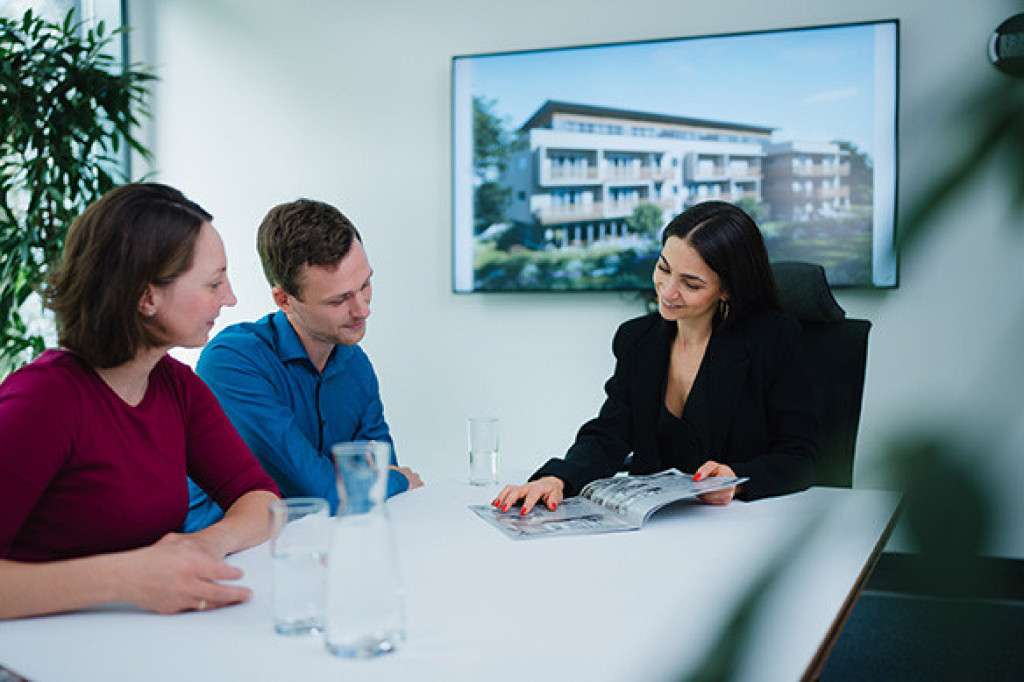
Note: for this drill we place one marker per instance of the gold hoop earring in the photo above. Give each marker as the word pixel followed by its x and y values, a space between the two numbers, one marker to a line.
pixel 723 309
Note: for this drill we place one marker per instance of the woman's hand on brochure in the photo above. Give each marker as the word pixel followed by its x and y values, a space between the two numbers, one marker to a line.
pixel 712 468
pixel 548 490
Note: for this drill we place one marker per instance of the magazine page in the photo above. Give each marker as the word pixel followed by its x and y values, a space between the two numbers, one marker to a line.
pixel 635 497
pixel 574 516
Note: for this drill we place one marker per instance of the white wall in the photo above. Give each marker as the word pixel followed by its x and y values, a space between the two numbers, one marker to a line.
pixel 347 101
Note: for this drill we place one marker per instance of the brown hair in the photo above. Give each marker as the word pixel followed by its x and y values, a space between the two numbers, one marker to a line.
pixel 302 232
pixel 134 236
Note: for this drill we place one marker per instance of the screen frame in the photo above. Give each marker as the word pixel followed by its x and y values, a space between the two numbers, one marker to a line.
pixel 884 252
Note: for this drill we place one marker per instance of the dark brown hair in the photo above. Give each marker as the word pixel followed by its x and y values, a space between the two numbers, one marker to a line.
pixel 134 236
pixel 302 232
pixel 730 243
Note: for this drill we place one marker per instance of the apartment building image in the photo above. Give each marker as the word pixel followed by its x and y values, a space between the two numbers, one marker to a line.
pixel 804 180
pixel 580 171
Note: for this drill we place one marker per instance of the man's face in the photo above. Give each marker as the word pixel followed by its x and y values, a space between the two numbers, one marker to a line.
pixel 334 303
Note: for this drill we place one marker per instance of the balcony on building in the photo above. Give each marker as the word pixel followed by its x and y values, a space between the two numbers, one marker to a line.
pixel 595 210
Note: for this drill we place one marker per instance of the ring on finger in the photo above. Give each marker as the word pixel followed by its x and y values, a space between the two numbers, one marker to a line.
pixel 202 605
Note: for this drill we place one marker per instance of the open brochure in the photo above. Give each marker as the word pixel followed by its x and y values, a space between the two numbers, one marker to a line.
pixel 605 505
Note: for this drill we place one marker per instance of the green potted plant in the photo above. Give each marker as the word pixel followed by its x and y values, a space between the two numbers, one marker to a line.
pixel 68 107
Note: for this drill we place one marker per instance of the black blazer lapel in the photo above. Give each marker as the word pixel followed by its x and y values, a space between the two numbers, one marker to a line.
pixel 650 368
pixel 727 364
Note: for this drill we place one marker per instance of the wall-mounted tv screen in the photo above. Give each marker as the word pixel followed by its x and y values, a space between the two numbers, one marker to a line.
pixel 568 162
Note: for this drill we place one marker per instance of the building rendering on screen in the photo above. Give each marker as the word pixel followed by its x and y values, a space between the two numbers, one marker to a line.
pixel 583 170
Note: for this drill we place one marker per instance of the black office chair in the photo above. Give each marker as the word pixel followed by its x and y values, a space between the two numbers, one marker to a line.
pixel 836 350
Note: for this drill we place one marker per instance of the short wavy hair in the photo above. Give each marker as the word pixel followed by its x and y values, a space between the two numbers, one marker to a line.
pixel 732 246
pixel 298 233
pixel 134 236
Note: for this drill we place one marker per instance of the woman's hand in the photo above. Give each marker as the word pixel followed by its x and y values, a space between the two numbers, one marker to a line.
pixel 180 573
pixel 548 490
pixel 712 468
pixel 246 523
pixel 177 573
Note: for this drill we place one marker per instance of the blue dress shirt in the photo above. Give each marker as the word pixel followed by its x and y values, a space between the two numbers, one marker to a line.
pixel 289 413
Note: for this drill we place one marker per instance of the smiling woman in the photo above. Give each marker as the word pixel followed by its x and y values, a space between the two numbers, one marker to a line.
pixel 99 436
pixel 127 248
pixel 710 384
pixel 183 311
pixel 687 288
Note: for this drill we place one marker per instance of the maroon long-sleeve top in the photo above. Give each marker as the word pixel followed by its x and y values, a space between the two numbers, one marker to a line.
pixel 82 472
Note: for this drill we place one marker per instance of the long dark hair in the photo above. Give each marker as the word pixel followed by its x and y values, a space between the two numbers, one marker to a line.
pixel 730 243
pixel 134 236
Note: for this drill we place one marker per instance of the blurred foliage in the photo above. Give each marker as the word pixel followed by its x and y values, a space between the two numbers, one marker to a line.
pixel 990 122
pixel 720 662
pixel 947 511
pixel 67 108
pixel 950 514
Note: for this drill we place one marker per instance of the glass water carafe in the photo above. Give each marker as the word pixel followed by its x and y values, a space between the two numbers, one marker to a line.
pixel 365 611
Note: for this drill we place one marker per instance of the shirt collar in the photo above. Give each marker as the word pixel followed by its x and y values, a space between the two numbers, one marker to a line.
pixel 290 348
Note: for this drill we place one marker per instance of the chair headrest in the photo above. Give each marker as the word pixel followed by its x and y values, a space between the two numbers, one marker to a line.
pixel 805 292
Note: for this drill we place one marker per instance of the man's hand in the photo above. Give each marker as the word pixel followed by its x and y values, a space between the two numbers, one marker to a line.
pixel 414 479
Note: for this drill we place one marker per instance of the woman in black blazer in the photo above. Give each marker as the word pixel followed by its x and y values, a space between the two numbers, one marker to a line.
pixel 712 383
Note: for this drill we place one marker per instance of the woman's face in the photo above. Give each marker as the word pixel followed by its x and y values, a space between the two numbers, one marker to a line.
pixel 687 288
pixel 185 309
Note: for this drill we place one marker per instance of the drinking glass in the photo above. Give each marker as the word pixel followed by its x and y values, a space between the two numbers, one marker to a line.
pixel 483 450
pixel 298 548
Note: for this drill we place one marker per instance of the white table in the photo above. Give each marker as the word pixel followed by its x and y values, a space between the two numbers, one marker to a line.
pixel 646 604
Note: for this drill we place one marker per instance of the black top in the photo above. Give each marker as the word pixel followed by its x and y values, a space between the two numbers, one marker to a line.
pixel 750 407
pixel 681 441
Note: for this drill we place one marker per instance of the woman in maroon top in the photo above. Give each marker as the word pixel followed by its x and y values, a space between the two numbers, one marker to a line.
pixel 97 438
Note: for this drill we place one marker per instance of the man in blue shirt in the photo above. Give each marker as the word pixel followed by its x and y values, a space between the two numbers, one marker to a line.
pixel 296 382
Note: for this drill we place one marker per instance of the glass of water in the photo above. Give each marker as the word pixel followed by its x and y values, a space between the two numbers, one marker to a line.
pixel 299 536
pixel 483 450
